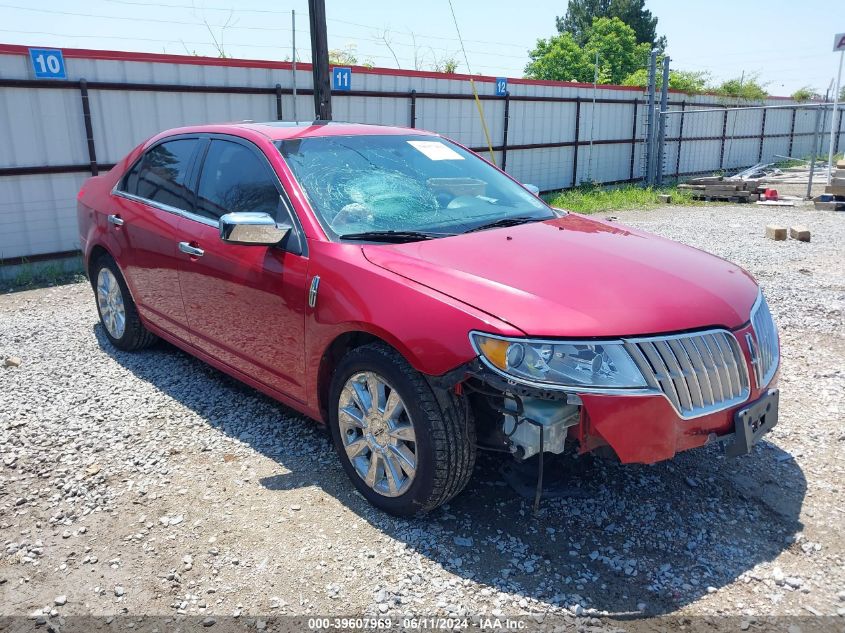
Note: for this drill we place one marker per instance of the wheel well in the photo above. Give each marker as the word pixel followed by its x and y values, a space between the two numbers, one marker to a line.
pixel 338 348
pixel 96 252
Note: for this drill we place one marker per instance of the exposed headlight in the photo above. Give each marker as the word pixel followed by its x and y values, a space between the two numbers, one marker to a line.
pixel 605 365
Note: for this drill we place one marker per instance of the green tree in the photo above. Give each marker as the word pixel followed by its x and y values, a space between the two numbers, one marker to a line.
pixel 580 15
pixel 805 93
pixel 561 58
pixel 619 53
pixel 687 81
pixel 343 56
pixel 448 65
pixel 746 88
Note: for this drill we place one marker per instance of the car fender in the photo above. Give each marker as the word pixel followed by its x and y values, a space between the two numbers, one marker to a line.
pixel 429 329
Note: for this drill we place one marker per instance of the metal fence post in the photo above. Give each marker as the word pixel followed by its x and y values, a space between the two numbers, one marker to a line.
pixel 791 132
pixel 815 152
pixel 661 135
pixel 680 141
pixel 413 108
pixel 634 139
pixel 505 130
pixel 652 81
pixel 762 137
pixel 278 102
pixel 838 136
pixel 575 147
pixel 89 129
pixel 724 135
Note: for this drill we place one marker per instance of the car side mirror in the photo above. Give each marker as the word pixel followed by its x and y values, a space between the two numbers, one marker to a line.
pixel 252 228
pixel 533 189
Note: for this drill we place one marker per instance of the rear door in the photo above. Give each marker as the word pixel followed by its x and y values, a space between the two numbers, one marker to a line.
pixel 245 303
pixel 148 204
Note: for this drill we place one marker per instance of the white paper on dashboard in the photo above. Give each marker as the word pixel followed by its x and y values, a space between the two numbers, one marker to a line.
pixel 435 150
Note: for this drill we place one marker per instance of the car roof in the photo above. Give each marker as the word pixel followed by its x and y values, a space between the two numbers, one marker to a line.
pixel 281 130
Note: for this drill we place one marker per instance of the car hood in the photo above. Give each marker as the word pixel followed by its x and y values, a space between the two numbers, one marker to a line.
pixel 578 277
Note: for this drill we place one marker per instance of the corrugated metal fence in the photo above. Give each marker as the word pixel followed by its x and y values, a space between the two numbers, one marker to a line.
pixel 54 134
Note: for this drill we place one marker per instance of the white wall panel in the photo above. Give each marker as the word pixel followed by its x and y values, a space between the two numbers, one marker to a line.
pixel 41 127
pixel 38 214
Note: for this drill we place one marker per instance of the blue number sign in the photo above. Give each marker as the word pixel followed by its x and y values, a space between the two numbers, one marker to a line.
pixel 501 86
pixel 341 78
pixel 48 63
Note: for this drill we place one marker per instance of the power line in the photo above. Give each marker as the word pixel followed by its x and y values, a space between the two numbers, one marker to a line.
pixel 209 44
pixel 283 12
pixel 242 28
pixel 139 39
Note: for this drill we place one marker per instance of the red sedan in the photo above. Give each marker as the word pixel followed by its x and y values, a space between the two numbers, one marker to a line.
pixel 422 303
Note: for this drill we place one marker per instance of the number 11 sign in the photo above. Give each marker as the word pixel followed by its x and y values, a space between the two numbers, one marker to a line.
pixel 341 78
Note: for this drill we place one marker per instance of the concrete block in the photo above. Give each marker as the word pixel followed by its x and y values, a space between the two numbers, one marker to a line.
pixel 775 232
pixel 800 233
pixel 665 198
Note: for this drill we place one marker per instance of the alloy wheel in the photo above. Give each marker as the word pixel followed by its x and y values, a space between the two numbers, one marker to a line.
pixel 110 301
pixel 378 434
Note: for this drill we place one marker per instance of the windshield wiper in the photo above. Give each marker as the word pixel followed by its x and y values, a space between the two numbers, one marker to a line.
pixel 393 236
pixel 503 222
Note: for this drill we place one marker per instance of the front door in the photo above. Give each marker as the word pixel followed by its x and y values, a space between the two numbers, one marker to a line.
pixel 245 303
pixel 144 219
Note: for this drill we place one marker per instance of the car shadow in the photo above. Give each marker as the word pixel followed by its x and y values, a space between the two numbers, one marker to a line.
pixel 627 540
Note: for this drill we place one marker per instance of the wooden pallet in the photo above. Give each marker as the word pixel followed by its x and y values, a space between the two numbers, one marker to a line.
pixel 718 188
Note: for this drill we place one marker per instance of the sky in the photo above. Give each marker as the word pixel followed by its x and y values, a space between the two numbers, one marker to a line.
pixel 787 44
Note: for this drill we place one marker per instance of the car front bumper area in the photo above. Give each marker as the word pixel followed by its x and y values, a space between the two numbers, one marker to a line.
pixel 647 428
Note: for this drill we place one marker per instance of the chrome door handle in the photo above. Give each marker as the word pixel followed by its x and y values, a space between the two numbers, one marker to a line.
pixel 116 220
pixel 185 247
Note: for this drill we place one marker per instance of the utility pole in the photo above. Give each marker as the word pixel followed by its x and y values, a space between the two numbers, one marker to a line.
pixel 293 60
pixel 835 106
pixel 320 60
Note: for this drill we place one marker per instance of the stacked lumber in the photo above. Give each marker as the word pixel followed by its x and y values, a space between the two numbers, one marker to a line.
pixel 720 188
pixel 834 193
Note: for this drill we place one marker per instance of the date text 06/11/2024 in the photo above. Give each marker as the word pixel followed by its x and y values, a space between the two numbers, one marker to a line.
pixel 417 623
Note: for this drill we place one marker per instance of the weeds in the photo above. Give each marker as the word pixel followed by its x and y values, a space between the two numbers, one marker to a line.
pixel 28 275
pixel 594 199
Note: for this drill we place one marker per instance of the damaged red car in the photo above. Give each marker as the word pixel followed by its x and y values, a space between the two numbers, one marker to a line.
pixel 422 303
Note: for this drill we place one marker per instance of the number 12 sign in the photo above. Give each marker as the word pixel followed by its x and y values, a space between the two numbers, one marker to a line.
pixel 501 86
pixel 341 78
pixel 48 63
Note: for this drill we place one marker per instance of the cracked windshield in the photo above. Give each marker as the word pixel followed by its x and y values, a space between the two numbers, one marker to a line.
pixel 404 184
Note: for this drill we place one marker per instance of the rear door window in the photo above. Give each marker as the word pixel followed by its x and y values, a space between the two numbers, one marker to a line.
pixel 162 174
pixel 234 179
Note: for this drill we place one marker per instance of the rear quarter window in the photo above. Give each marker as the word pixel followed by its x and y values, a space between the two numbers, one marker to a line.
pixel 161 175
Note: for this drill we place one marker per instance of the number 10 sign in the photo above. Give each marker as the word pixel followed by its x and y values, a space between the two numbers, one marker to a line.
pixel 48 63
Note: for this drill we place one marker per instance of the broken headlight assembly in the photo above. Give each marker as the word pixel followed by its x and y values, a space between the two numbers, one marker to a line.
pixel 577 365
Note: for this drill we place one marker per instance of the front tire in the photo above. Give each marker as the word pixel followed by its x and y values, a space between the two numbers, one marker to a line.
pixel 117 310
pixel 405 449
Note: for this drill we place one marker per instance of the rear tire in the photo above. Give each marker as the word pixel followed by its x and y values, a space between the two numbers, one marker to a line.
pixel 443 437
pixel 118 313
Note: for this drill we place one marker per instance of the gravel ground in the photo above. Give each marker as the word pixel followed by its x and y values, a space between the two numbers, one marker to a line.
pixel 150 483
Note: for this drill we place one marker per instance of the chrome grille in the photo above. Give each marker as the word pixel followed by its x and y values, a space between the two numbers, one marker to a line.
pixel 699 373
pixel 768 352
